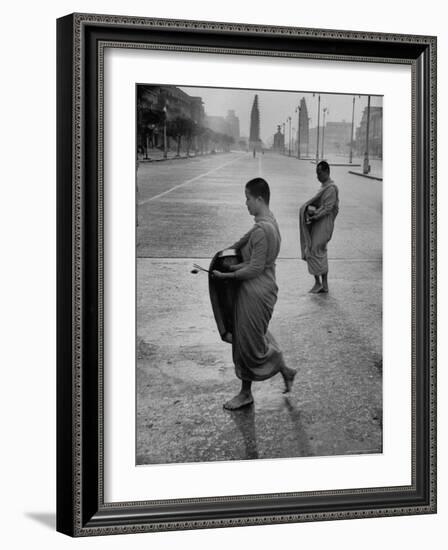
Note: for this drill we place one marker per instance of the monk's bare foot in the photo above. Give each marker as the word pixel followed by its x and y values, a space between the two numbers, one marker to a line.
pixel 240 400
pixel 288 378
pixel 324 289
pixel 316 288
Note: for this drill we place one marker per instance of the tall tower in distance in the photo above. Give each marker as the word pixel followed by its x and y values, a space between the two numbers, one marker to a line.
pixel 254 135
pixel 304 128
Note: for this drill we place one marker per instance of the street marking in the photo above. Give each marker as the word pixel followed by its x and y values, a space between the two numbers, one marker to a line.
pixel 188 181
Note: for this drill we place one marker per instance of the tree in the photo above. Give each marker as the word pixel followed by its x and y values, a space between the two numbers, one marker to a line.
pixel 191 130
pixel 227 142
pixel 179 127
pixel 207 137
pixel 147 120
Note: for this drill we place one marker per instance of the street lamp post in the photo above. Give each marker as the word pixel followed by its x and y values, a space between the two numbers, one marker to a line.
pixel 366 165
pixel 308 138
pixel 351 134
pixel 146 147
pixel 325 111
pixel 289 141
pixel 284 144
pixel 298 131
pixel 318 124
pixel 164 134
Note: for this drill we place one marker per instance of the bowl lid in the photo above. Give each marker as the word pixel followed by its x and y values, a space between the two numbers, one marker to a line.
pixel 226 253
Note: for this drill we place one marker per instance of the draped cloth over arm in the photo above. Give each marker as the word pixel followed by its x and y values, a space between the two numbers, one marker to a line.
pixel 223 292
pixel 256 354
pixel 314 236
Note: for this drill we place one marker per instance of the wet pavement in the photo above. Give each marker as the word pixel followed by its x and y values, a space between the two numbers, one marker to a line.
pixel 184 370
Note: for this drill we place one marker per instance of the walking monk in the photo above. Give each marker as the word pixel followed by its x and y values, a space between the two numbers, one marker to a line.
pixel 256 354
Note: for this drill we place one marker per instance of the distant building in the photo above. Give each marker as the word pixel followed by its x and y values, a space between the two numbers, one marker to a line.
pixel 173 99
pixel 157 105
pixel 243 143
pixel 334 139
pixel 233 124
pixel 312 136
pixel 375 133
pixel 304 130
pixel 279 141
pixel 218 124
pixel 254 136
pixel 337 137
pixel 228 125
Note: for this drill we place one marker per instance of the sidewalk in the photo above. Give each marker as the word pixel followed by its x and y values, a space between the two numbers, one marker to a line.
pixel 156 155
pixel 376 165
pixel 376 168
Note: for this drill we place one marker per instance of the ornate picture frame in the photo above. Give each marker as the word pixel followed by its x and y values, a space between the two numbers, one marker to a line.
pixel 81 506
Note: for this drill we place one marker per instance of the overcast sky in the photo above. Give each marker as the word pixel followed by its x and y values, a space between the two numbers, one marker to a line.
pixel 276 107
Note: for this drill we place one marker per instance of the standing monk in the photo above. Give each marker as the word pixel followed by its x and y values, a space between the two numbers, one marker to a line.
pixel 256 354
pixel 316 227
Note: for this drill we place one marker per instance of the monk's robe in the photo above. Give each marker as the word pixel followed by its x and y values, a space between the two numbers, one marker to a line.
pixel 314 236
pixel 256 354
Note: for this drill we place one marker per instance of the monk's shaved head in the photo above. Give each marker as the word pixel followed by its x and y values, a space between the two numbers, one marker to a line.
pixel 324 166
pixel 258 187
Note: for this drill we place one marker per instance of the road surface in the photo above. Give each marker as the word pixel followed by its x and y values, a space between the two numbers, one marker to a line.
pixel 189 209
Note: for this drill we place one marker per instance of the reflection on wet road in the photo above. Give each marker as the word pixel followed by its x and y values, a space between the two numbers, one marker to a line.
pixel 245 422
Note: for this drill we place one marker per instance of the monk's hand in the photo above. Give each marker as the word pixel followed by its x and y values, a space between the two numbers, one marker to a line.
pixel 221 275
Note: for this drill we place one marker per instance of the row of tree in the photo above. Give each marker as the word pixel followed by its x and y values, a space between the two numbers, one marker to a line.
pixel 185 131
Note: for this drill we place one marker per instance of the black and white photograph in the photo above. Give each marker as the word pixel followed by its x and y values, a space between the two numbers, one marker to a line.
pixel 259 248
pixel 222 237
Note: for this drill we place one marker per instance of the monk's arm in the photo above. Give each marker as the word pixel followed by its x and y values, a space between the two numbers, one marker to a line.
pixel 328 201
pixel 257 262
pixel 236 267
pixel 241 242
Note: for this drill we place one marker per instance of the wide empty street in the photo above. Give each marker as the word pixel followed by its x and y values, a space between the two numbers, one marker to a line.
pixel 188 209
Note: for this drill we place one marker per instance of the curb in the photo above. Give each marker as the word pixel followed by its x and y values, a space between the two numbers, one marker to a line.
pixel 365 175
pixel 184 157
pixel 338 163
